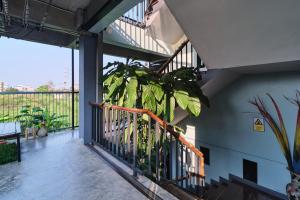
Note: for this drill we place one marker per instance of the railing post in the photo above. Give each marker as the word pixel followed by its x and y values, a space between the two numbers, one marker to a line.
pixel 134 144
pixel 73 108
pixel 157 138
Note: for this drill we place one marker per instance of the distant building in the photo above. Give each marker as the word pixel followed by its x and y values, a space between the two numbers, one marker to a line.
pixel 24 88
pixel 2 87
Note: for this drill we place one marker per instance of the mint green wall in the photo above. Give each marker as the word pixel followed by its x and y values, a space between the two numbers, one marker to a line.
pixel 227 128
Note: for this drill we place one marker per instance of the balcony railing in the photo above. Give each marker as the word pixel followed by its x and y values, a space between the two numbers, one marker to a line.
pixel 60 104
pixel 149 145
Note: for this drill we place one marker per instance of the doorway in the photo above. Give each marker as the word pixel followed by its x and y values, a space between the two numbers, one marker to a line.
pixel 250 170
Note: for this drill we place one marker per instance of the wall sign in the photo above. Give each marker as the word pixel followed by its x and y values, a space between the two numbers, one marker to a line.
pixel 259 125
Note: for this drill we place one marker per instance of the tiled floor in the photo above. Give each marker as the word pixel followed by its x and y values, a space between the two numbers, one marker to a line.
pixel 60 167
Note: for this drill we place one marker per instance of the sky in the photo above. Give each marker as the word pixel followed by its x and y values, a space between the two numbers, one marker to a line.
pixel 34 64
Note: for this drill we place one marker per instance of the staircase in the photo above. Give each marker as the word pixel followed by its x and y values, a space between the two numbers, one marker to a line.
pixel 234 190
pixel 151 147
pixel 130 31
pixel 211 81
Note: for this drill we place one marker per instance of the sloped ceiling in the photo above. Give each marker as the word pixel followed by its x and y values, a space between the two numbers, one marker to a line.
pixel 233 33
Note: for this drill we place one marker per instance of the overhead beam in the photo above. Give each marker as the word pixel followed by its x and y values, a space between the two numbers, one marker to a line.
pixel 110 11
pixel 56 17
pixel 33 33
pixel 120 51
pixel 97 10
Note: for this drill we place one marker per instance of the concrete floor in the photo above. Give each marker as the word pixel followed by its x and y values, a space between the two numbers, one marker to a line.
pixel 60 167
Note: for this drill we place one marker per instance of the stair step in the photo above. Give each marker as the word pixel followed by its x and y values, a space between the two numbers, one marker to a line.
pixel 215 191
pixel 177 191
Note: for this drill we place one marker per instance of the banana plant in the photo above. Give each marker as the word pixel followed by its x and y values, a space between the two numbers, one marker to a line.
pixel 131 84
pixel 278 128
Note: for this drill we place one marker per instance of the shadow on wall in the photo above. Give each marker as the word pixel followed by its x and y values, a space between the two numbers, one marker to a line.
pixel 227 129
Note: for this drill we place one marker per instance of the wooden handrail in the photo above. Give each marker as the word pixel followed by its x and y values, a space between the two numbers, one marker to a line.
pixel 166 64
pixel 163 123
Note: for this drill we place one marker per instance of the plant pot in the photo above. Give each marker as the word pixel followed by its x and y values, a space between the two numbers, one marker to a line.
pixel 293 188
pixel 43 131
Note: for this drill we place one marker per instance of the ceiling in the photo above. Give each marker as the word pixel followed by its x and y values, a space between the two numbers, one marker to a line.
pixel 71 5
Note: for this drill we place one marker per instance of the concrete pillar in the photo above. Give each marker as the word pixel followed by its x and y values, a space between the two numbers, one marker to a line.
pixel 87 84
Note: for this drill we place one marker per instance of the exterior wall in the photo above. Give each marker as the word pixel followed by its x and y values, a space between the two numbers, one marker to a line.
pixel 227 129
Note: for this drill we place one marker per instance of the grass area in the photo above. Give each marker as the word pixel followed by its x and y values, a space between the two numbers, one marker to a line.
pixel 8 153
pixel 58 103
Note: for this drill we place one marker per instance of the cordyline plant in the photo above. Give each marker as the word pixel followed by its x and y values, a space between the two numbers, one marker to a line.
pixel 279 130
pixel 131 84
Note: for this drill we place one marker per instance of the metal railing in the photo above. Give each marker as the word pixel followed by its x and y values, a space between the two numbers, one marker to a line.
pixel 54 103
pixel 131 27
pixel 184 57
pixel 149 145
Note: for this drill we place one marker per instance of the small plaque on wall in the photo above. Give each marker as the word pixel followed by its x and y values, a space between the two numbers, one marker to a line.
pixel 259 125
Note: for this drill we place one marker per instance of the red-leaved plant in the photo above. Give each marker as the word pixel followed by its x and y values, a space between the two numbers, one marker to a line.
pixel 279 130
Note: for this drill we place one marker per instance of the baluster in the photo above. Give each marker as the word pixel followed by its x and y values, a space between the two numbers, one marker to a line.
pixel 123 132
pixel 165 153
pixel 192 56
pixel 186 55
pixel 197 162
pixel 181 168
pixel 128 135
pixel 134 144
pixel 115 131
pixel 149 145
pixel 157 138
pixel 93 123
pixel 111 129
pixel 186 167
pixel 176 159
pixel 176 61
pixel 97 124
pixel 181 58
pixel 103 126
pixel 108 128
pixel 118 135
pixel 171 158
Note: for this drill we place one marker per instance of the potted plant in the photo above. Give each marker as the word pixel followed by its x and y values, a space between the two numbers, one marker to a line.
pixel 279 130
pixel 29 120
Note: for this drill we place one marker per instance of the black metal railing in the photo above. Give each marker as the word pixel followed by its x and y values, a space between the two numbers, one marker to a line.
pixel 184 57
pixel 148 145
pixel 60 104
pixel 132 28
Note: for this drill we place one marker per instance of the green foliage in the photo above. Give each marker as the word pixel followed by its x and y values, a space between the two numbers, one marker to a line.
pixel 8 153
pixel 11 89
pixel 43 88
pixel 131 85
pixel 34 117
pixel 278 127
pixel 4 118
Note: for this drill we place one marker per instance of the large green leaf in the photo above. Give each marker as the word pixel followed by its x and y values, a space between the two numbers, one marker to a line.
pixel 182 98
pixel 122 96
pixel 113 88
pixel 194 106
pixel 132 92
pixel 157 90
pixel 172 108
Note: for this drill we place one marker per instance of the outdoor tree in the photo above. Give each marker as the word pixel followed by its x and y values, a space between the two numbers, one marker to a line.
pixel 11 89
